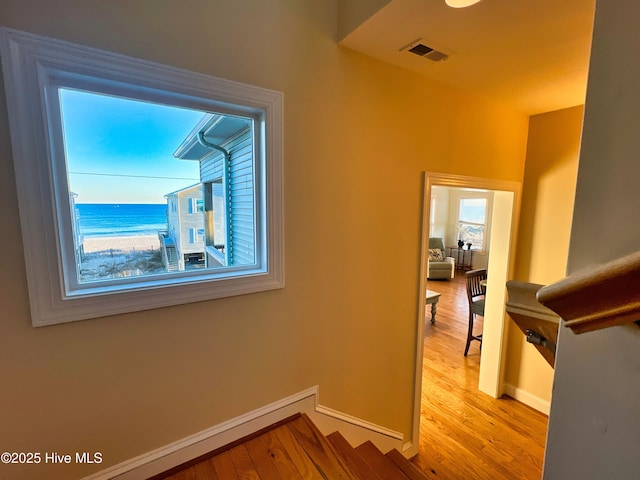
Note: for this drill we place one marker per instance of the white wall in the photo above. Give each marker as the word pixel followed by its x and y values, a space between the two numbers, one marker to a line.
pixel 440 213
pixel 501 208
pixel 594 429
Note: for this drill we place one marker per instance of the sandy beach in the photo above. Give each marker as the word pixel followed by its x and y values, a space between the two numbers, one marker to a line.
pixel 121 244
pixel 114 257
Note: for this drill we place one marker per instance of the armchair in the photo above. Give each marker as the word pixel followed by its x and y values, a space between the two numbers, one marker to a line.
pixel 439 266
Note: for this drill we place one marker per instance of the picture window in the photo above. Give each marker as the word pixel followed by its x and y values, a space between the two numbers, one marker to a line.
pixel 161 181
pixel 472 217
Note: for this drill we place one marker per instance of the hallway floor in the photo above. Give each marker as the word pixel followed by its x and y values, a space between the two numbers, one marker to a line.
pixel 466 434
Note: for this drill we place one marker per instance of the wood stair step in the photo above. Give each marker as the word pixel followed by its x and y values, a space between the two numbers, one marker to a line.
pixel 290 462
pixel 320 451
pixel 295 449
pixel 381 464
pixel 409 469
pixel 352 458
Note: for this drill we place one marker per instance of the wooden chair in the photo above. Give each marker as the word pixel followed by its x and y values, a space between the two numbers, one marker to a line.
pixel 475 295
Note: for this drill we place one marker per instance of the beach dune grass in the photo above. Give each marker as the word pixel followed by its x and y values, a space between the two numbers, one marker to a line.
pixel 117 257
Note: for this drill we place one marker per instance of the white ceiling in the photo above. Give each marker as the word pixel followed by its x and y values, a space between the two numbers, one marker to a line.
pixel 532 55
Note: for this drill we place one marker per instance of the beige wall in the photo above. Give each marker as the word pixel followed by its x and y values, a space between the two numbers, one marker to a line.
pixel 358 134
pixel 351 14
pixel 543 237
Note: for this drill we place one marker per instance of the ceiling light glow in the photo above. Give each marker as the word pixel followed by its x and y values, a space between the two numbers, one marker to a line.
pixel 460 3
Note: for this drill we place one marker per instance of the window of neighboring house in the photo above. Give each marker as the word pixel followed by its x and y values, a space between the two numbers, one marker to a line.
pixel 472 216
pixel 196 235
pixel 196 205
pixel 122 134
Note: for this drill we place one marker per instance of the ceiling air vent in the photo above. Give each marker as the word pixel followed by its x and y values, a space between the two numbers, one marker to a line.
pixel 422 50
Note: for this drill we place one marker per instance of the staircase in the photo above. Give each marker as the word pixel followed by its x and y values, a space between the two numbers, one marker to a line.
pixel 172 259
pixel 169 252
pixel 295 449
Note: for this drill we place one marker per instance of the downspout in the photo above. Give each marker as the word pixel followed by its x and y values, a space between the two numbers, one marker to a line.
pixel 226 174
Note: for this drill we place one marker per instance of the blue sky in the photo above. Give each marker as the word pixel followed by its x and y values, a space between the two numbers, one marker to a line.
pixel 473 210
pixel 120 150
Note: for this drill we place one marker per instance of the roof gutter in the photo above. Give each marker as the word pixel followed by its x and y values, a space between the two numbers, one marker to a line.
pixel 226 173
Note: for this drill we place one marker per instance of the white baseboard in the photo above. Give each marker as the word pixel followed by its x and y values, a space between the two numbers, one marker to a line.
pixel 527 398
pixel 355 430
pixel 157 461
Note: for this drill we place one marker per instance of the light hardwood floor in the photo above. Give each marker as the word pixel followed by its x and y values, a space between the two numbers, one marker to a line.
pixel 464 433
pixel 295 449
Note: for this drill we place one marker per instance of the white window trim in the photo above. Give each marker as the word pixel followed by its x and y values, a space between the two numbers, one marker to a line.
pixel 32 63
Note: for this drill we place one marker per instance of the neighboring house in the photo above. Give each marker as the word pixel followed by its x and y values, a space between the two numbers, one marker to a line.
pixel 183 242
pixel 226 156
pixel 78 238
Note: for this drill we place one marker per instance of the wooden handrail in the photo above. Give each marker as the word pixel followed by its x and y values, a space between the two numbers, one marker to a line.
pixel 599 297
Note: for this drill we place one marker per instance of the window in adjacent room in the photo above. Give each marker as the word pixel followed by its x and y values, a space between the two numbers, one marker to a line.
pixel 472 215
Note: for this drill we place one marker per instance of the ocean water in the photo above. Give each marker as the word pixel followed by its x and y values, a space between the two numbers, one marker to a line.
pixel 116 220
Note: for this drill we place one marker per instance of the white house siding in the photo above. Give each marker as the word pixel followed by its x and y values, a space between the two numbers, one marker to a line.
pixel 189 221
pixel 241 193
pixel 173 217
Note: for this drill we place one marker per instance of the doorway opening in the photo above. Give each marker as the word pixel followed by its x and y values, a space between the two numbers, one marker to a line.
pixel 501 233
